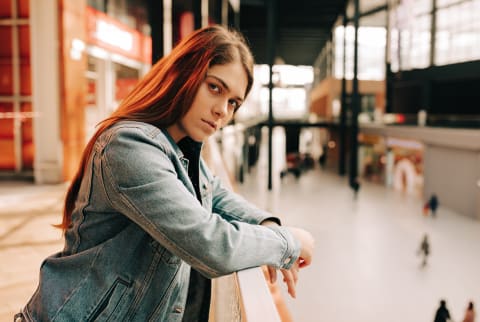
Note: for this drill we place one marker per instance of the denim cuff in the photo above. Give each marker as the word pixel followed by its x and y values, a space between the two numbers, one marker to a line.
pixel 274 219
pixel 292 248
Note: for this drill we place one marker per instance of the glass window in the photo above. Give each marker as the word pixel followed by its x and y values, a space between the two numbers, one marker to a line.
pixel 16 138
pixel 7 141
pixel 421 7
pixel 410 30
pixel 394 46
pixel 457 36
pixel 446 3
pixel 290 92
pixel 457 33
pixel 367 5
pixel 125 80
pixel 131 13
pixel 371 52
pixel 420 42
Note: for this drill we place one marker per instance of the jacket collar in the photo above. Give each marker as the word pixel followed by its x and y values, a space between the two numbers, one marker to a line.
pixel 195 145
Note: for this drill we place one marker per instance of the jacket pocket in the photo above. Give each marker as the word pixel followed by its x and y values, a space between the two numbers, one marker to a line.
pixel 110 301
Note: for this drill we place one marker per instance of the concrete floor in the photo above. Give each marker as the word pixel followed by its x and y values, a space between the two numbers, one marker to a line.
pixel 365 267
pixel 27 213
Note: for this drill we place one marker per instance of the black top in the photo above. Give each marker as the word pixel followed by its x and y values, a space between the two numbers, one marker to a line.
pixel 198 298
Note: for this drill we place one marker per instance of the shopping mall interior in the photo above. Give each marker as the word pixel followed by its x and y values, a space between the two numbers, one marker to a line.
pixel 360 112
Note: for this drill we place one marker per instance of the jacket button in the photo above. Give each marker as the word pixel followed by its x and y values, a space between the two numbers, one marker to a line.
pixel 178 310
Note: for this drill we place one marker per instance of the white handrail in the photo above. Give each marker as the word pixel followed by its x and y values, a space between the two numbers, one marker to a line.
pixel 256 299
pixel 243 296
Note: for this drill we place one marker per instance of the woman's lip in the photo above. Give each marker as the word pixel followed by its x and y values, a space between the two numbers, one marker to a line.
pixel 212 124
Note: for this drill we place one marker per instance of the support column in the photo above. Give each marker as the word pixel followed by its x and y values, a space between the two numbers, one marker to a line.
pixel 73 86
pixel 200 12
pixel 44 34
pixel 353 171
pixel 271 17
pixel 343 111
pixel 155 10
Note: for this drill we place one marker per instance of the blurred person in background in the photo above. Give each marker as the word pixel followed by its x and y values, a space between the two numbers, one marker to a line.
pixel 442 314
pixel 424 250
pixel 145 222
pixel 469 313
pixel 433 204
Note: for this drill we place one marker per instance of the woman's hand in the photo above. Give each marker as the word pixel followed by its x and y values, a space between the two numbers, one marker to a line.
pixel 290 276
pixel 307 244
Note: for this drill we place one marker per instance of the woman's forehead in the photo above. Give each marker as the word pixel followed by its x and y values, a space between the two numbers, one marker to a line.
pixel 233 75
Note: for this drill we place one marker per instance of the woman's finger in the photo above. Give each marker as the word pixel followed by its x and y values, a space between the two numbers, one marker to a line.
pixel 288 279
pixel 294 272
pixel 272 273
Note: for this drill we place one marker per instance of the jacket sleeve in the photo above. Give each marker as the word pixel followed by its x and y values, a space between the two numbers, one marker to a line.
pixel 141 182
pixel 232 206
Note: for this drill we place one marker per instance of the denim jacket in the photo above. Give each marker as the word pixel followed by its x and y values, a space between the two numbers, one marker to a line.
pixel 138 228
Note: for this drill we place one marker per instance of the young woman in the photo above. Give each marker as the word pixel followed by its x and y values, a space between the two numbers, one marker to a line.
pixel 146 223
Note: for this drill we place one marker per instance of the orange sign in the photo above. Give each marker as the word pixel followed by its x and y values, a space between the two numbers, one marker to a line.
pixel 110 34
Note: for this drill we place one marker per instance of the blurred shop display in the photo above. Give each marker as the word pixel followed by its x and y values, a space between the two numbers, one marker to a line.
pixel 395 162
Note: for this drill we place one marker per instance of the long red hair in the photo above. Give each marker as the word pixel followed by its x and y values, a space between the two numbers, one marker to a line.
pixel 166 92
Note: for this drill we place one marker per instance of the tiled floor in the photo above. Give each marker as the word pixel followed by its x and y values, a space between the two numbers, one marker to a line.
pixel 365 268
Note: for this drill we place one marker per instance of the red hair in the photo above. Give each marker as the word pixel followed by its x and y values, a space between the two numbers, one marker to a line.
pixel 166 92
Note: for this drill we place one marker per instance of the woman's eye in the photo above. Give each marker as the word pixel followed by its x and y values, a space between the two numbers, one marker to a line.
pixel 214 88
pixel 234 104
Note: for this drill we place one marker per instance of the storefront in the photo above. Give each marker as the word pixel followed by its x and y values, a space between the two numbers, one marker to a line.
pixel 371 157
pixel 63 69
pixel 66 65
pixel 117 57
pixel 393 161
pixel 16 115
pixel 404 165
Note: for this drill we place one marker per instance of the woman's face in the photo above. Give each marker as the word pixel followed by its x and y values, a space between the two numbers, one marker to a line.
pixel 220 94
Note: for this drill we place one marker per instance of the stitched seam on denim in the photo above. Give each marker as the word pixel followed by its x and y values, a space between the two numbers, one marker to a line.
pixel 145 283
pixel 161 304
pixel 76 232
pixel 74 291
pixel 104 139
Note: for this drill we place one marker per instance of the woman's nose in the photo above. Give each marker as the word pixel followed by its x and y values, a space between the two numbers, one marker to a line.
pixel 221 109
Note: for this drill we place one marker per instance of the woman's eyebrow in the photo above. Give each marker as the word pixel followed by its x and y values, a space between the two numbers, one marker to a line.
pixel 224 85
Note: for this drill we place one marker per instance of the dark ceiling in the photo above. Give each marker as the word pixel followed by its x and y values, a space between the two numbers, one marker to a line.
pixel 302 28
